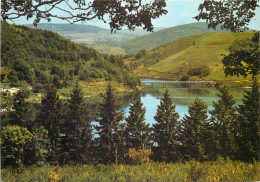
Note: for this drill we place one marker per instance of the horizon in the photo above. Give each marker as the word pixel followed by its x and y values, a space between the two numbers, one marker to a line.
pixel 179 13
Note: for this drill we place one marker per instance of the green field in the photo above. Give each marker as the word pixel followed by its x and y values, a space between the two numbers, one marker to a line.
pixel 220 170
pixel 173 60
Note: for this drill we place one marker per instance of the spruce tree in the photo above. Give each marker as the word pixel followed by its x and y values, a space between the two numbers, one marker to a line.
pixel 109 126
pixel 165 130
pixel 21 107
pixel 51 117
pixel 248 138
pixel 223 120
pixel 77 131
pixel 194 131
pixel 136 130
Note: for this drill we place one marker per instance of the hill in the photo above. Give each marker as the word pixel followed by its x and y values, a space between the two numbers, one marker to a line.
pixel 196 57
pixel 161 37
pixel 94 36
pixel 37 57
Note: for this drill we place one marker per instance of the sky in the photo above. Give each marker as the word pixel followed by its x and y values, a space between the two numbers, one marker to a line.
pixel 179 12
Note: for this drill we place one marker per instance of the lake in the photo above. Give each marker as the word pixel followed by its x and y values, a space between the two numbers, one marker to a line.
pixel 183 94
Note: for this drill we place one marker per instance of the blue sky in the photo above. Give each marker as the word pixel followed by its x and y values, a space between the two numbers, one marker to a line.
pixel 179 12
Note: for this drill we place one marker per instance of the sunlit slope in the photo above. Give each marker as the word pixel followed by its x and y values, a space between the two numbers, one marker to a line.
pixel 174 60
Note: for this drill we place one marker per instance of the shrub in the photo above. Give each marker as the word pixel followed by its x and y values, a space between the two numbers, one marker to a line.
pixel 139 156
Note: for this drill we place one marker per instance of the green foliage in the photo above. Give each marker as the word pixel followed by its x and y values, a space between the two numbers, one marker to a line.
pixel 200 53
pixel 223 119
pixel 37 149
pixel 109 126
pixel 21 107
pixel 161 37
pixel 199 71
pixel 194 131
pixel 37 56
pixel 220 170
pixel 51 117
pixel 243 58
pixel 136 131
pixel 14 142
pixel 248 138
pixel 165 130
pixel 77 132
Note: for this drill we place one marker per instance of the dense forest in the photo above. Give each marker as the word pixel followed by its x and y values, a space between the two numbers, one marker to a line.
pixel 62 133
pixel 37 57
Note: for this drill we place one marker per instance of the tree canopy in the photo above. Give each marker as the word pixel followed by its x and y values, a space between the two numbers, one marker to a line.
pixel 119 12
pixel 232 15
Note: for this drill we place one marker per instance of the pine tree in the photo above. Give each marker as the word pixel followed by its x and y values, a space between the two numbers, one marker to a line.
pixel 136 130
pixel 223 119
pixel 248 121
pixel 21 107
pixel 77 131
pixel 194 131
pixel 51 118
pixel 108 127
pixel 165 130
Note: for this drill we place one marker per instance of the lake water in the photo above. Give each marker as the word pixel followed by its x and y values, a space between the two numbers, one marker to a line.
pixel 183 94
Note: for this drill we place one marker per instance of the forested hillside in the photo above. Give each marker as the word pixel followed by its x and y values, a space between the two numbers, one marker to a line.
pixel 37 57
pixel 161 37
pixel 196 57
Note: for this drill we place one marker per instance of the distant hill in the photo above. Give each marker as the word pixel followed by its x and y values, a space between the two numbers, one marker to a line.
pixel 196 57
pixel 37 57
pixel 161 37
pixel 94 36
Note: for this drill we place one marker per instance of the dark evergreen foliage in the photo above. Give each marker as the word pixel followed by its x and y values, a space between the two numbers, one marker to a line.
pixel 165 130
pixel 109 127
pixel 223 120
pixel 77 130
pixel 21 107
pixel 137 132
pixel 248 138
pixel 51 117
pixel 194 131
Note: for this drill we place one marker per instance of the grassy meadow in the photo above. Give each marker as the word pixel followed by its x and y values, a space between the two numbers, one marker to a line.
pixel 220 170
pixel 173 60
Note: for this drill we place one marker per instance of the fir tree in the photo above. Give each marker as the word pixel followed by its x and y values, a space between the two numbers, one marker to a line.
pixel 248 121
pixel 51 118
pixel 21 107
pixel 108 127
pixel 223 119
pixel 194 131
pixel 165 130
pixel 136 130
pixel 77 131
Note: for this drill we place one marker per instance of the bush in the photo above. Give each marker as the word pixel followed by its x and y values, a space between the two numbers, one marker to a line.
pixel 199 71
pixel 139 156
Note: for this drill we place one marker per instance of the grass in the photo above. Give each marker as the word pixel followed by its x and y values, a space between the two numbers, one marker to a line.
pixel 176 58
pixel 220 170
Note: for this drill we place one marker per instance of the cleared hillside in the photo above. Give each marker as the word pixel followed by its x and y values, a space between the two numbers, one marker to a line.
pixel 161 37
pixel 196 57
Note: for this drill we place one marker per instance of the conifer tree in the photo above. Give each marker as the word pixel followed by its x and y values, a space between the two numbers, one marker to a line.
pixel 109 126
pixel 223 119
pixel 77 131
pixel 194 131
pixel 136 130
pixel 165 130
pixel 21 108
pixel 51 118
pixel 248 121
